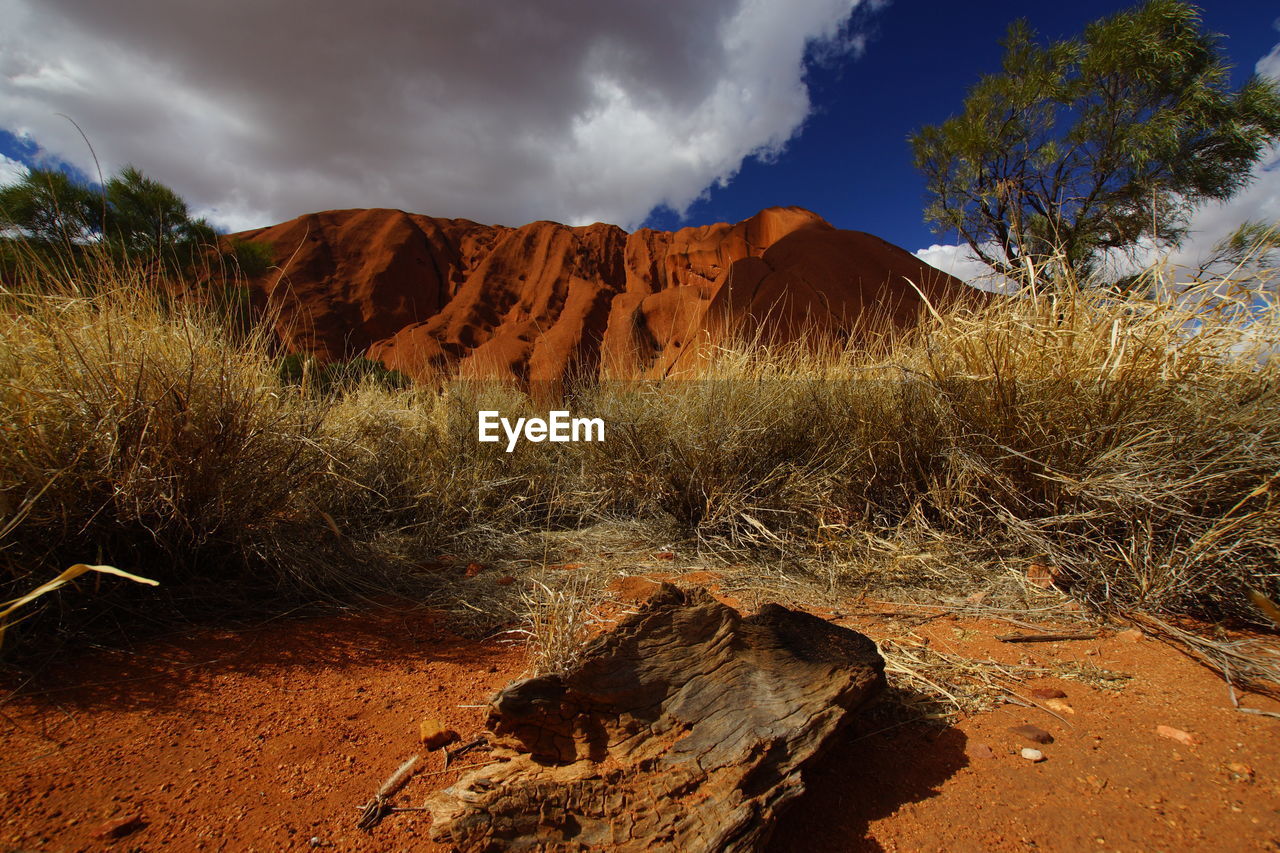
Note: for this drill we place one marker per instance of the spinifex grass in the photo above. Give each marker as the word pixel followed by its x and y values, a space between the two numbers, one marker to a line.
pixel 1133 445
pixel 140 429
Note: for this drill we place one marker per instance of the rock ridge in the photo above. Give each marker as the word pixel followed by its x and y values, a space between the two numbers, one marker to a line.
pixel 435 297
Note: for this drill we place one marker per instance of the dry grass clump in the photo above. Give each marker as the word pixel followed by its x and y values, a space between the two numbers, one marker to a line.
pixel 1134 444
pixel 150 432
pixel 741 463
pixel 557 616
pixel 137 431
pixel 408 461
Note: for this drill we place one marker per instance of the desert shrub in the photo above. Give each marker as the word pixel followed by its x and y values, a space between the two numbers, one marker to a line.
pixel 252 258
pixel 1131 442
pixel 1134 443
pixel 740 462
pixel 232 303
pixel 295 367
pixel 338 377
pixel 136 433
pixel 409 460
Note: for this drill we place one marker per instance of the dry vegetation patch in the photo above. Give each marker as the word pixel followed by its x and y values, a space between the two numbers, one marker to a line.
pixel 1128 447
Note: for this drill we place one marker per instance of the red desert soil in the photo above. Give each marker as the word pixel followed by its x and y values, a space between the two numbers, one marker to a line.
pixel 268 738
pixel 430 296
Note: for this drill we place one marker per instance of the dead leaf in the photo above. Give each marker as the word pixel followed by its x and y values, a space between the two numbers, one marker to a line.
pixel 62 580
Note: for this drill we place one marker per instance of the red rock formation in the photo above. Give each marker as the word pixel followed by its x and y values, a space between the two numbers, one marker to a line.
pixel 433 297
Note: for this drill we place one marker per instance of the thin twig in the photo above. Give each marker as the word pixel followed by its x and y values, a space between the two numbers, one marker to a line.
pixel 1028 703
pixel 376 809
pixel 1043 638
pixel 450 754
pixel 455 769
pixel 1231 688
pixel 1258 712
pixel 1257 666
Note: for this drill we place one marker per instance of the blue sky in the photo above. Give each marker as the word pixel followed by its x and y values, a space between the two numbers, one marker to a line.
pixel 852 163
pixel 552 109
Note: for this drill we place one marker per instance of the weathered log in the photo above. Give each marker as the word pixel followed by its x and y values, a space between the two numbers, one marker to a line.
pixel 685 728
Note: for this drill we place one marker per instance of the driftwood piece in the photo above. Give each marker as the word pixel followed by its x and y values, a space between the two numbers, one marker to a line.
pixel 683 729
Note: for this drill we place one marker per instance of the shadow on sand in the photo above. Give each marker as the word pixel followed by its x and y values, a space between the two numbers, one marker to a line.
pixel 869 773
pixel 173 672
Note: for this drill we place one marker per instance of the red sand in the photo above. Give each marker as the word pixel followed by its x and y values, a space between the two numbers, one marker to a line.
pixel 267 738
pixel 253 740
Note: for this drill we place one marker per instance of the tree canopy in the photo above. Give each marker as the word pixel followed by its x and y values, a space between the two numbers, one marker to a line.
pixel 1094 144
pixel 48 206
pixel 147 219
pixel 132 216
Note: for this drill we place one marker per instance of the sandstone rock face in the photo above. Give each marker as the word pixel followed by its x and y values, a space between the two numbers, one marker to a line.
pixel 433 297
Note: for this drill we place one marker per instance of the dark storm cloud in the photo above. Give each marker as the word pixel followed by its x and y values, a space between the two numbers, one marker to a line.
pixel 501 112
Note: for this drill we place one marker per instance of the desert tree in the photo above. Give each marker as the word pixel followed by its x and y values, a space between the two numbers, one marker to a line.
pixel 49 206
pixel 1095 144
pixel 133 218
pixel 148 221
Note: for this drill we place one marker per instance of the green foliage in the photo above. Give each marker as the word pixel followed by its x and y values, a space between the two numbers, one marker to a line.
pixel 1094 143
pixel 251 258
pixel 234 304
pixel 48 206
pixel 295 367
pixel 146 220
pixel 347 375
pixel 134 219
pixel 1251 244
pixel 339 377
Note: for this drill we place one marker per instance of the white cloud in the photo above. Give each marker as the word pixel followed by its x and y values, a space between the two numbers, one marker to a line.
pixel 1259 202
pixel 1269 65
pixel 961 262
pixel 11 171
pixel 499 112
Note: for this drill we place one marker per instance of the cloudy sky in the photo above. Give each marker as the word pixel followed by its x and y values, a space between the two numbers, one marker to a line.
pixel 683 112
